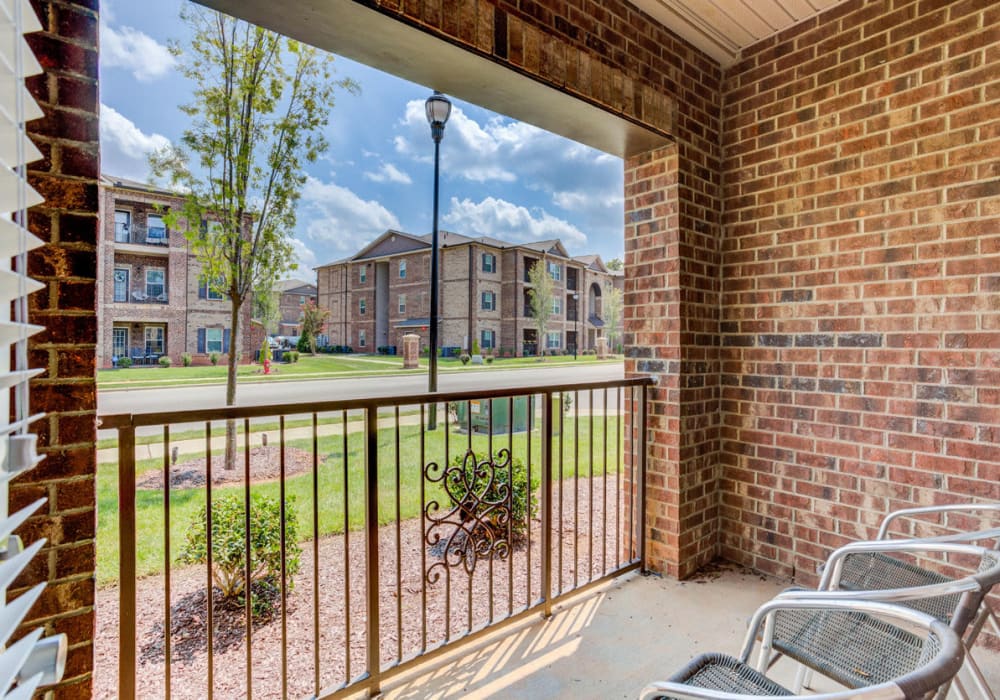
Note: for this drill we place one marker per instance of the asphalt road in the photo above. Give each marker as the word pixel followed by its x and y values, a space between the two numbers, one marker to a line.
pixel 198 397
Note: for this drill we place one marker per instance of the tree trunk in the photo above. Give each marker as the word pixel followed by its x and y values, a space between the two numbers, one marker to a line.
pixel 233 357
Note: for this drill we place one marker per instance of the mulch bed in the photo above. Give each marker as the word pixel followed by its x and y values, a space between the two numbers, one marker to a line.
pixel 406 623
pixel 265 465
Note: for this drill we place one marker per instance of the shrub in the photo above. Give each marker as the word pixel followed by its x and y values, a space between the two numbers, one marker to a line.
pixel 229 546
pixel 567 401
pixel 305 343
pixel 292 356
pixel 523 503
pixel 214 358
pixel 265 351
pixel 489 359
pixel 124 362
pixel 475 346
pixel 165 361
pixel 186 359
pixel 464 357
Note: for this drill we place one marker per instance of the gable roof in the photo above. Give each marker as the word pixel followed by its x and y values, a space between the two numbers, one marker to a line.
pixel 296 286
pixel 592 262
pixel 390 243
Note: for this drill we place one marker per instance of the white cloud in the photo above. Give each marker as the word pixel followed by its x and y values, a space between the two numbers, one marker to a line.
pixel 389 173
pixel 133 50
pixel 337 220
pixel 125 147
pixel 511 222
pixel 304 256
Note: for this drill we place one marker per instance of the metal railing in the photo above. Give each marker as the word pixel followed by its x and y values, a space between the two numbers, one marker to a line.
pixel 423 521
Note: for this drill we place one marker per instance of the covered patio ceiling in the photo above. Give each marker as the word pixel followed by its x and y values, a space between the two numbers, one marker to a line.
pixel 723 28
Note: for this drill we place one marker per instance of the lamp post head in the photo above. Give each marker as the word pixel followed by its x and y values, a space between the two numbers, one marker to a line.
pixel 438 109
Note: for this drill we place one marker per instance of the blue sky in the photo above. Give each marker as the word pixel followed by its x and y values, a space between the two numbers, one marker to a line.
pixel 500 177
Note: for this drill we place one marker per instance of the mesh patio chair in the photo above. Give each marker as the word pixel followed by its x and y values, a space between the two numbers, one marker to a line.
pixel 886 571
pixel 973 523
pixel 717 676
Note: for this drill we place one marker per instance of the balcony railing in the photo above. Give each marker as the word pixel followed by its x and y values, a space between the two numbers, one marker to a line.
pixel 422 542
pixel 157 236
pixel 142 298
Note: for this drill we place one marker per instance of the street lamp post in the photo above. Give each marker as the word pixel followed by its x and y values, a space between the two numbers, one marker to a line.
pixel 438 109
pixel 576 323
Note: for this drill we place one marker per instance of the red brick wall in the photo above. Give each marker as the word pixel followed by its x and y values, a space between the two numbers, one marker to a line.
pixel 67 177
pixel 861 276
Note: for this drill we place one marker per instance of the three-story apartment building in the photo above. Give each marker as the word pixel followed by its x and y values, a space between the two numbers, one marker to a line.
pixel 293 295
pixel 152 298
pixel 383 292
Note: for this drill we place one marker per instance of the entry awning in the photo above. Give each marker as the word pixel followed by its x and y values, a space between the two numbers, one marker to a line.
pixel 595 321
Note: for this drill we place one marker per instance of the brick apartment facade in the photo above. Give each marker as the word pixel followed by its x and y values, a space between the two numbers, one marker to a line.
pixel 811 262
pixel 382 293
pixel 293 295
pixel 152 299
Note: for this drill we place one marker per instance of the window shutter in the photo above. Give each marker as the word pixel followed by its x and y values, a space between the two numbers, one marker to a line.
pixel 203 289
pixel 32 660
pixel 201 340
pixel 225 340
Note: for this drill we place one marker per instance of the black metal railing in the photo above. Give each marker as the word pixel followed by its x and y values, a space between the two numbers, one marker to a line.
pixel 406 525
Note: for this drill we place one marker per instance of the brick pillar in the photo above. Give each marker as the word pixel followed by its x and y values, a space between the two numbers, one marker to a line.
pixel 671 333
pixel 67 178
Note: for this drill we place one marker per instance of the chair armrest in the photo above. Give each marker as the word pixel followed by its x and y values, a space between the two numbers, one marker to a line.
pixel 833 568
pixel 931 510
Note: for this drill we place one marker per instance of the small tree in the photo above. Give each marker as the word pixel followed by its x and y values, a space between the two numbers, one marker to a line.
pixel 612 316
pixel 540 299
pixel 260 105
pixel 615 264
pixel 314 321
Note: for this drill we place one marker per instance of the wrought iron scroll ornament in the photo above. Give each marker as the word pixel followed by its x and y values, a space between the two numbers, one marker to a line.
pixel 478 524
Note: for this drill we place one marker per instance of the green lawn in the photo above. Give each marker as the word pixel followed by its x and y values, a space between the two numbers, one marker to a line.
pixel 309 367
pixel 185 504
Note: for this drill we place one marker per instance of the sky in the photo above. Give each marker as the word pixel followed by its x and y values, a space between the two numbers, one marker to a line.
pixel 499 177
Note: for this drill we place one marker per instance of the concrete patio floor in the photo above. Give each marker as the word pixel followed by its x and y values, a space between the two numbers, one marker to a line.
pixel 610 642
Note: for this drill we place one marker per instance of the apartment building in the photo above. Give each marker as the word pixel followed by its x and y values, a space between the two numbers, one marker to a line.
pixel 293 295
pixel 383 292
pixel 152 299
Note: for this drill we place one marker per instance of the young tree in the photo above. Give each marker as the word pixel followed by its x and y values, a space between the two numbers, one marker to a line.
pixel 260 104
pixel 615 264
pixel 540 299
pixel 313 322
pixel 612 316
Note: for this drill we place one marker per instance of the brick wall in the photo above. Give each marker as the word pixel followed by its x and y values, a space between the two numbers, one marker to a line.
pixel 67 177
pixel 861 276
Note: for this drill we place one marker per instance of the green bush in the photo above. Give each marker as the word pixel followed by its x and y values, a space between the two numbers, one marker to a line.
pixel 464 357
pixel 165 361
pixel 214 358
pixel 475 347
pixel 488 359
pixel 186 359
pixel 524 503
pixel 229 546
pixel 292 356
pixel 124 362
pixel 304 343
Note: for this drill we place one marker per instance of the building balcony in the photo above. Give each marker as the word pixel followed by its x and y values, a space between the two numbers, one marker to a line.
pixel 153 241
pixel 143 298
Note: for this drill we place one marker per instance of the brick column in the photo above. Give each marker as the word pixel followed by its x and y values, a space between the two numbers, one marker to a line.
pixel 67 178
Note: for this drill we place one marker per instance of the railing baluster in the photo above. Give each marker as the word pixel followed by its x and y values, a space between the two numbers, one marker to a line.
pixel 423 545
pixel 166 560
pixel 576 491
pixel 126 554
pixel 559 483
pixel 284 561
pixel 547 503
pixel 371 553
pixel 399 553
pixel 604 492
pixel 531 424
pixel 489 452
pixel 590 488
pixel 248 592
pixel 315 581
pixel 641 535
pixel 619 422
pixel 510 480
pixel 347 554
pixel 208 549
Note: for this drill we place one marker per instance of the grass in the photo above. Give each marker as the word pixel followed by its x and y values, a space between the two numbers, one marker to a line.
pixel 186 503
pixel 307 367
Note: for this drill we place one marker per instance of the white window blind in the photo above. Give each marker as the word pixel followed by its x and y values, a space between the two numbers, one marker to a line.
pixel 32 661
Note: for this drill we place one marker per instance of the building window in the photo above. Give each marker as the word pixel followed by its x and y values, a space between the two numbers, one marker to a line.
pixel 553 340
pixel 214 291
pixel 402 269
pixel 488 302
pixel 123 223
pixel 213 340
pixel 557 306
pixel 154 340
pixel 402 303
pixel 119 341
pixel 362 274
pixel 156 284
pixel 555 270
pixel 121 284
pixel 302 300
pixel 362 306
pixel 489 262
pixel 361 339
pixel 156 230
pixel 487 339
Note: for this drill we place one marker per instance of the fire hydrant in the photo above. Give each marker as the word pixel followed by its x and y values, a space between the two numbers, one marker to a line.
pixel 267 366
